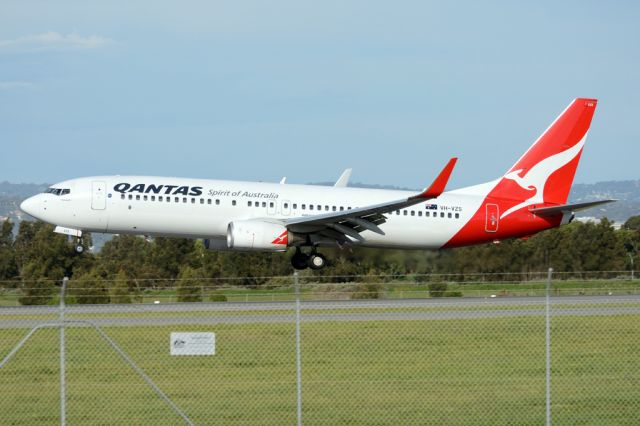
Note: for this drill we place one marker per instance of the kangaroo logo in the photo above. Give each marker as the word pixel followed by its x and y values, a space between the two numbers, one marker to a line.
pixel 283 239
pixel 536 178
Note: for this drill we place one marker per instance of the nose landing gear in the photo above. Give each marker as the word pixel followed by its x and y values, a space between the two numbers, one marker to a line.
pixel 79 246
pixel 312 260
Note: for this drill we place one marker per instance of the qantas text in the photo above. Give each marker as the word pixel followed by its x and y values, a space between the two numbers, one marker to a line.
pixel 158 189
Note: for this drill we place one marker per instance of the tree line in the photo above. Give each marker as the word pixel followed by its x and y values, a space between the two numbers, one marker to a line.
pixel 35 260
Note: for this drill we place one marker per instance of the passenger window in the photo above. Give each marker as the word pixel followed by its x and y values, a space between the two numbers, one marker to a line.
pixel 271 204
pixel 427 214
pixel 295 206
pixel 286 205
pixel 304 207
pixel 264 204
pixel 209 201
pixel 441 214
pixel 310 206
pixel 184 199
pixel 449 215
pixel 319 207
pixel 201 200
pixel 420 213
pixel 257 203
pixel 334 208
pixel 233 202
pixel 217 202
pixel 397 212
pixel 122 196
pixel 145 198
pixel 457 215
pixel 341 208
pixel 404 212
pixel 160 198
pixel 413 213
pixel 153 198
pixel 249 203
pixel 326 208
pixel 176 199
pixel 138 197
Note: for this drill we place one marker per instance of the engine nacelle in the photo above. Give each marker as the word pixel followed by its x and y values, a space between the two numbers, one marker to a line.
pixel 257 235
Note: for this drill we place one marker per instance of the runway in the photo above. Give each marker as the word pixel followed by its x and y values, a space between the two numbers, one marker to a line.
pixel 129 315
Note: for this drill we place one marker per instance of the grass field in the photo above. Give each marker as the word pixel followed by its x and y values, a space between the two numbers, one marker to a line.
pixel 473 371
pixel 389 290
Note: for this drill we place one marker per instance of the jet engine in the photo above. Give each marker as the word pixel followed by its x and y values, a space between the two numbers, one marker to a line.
pixel 257 235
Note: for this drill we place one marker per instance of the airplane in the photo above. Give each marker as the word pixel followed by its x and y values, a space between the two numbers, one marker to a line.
pixel 273 217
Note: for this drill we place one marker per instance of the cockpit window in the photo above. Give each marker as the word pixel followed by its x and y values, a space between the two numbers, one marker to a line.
pixel 57 191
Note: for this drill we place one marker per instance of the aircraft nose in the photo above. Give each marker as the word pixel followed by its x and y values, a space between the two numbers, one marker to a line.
pixel 29 206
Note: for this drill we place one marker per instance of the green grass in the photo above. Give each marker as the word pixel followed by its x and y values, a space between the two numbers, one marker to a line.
pixel 391 290
pixel 477 371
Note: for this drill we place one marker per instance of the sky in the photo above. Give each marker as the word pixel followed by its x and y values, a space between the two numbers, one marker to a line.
pixel 257 90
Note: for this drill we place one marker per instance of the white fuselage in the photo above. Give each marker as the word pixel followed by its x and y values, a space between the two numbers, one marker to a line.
pixel 197 208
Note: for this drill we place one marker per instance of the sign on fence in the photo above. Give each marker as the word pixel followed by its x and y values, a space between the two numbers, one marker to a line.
pixel 193 343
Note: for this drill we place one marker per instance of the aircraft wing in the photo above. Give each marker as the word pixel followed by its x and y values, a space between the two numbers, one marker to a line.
pixel 343 180
pixel 349 223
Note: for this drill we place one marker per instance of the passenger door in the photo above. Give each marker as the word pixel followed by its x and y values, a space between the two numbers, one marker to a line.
pixel 492 218
pixel 98 196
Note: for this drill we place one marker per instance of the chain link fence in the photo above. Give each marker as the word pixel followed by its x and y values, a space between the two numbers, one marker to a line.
pixel 340 350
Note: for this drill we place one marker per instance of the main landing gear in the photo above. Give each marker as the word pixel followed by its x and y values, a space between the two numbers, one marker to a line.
pixel 312 260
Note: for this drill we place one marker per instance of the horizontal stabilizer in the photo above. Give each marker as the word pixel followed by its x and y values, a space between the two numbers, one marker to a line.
pixel 566 208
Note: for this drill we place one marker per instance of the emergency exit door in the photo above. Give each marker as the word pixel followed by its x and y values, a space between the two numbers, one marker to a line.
pixel 98 196
pixel 492 218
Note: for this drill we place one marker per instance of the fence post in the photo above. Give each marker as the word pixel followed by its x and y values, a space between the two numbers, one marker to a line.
pixel 548 347
pixel 63 397
pixel 296 283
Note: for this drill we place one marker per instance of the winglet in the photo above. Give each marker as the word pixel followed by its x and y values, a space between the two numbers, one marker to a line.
pixel 343 180
pixel 439 184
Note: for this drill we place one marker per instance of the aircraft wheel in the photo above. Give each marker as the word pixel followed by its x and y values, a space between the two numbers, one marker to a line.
pixel 79 248
pixel 317 261
pixel 300 261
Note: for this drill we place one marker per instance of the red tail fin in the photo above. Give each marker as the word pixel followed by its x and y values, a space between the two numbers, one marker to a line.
pixel 538 181
pixel 544 174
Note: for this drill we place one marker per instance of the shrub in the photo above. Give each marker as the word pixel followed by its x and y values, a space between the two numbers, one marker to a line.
pixel 437 289
pixel 217 297
pixel 89 289
pixel 366 291
pixel 189 287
